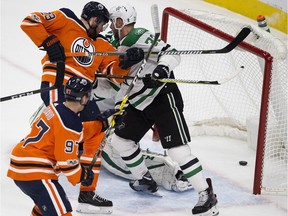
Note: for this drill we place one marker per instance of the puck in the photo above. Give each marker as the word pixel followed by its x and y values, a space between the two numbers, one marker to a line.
pixel 243 163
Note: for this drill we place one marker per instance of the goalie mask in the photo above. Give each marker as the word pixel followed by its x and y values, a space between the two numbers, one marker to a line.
pixel 126 12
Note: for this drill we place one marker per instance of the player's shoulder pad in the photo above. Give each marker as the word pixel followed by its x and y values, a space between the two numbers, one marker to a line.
pixel 69 118
pixel 69 13
pixel 133 36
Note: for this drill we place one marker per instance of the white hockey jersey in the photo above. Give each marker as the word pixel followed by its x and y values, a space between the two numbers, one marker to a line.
pixel 140 96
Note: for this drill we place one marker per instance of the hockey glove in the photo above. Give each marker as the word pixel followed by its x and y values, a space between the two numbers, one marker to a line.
pixel 133 56
pixel 119 118
pixel 160 72
pixel 107 116
pixel 87 176
pixel 54 49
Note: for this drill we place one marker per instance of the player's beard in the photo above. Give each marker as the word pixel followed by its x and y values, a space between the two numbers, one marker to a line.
pixel 92 33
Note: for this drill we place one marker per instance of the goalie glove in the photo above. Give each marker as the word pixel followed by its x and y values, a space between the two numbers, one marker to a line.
pixel 107 116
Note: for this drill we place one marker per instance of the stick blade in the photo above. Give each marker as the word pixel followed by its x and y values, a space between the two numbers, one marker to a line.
pixel 237 40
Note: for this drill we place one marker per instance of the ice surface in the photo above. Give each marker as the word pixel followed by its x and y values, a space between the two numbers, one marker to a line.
pixel 21 71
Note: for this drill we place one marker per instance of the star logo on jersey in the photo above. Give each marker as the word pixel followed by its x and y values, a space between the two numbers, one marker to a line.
pixel 83 45
pixel 139 31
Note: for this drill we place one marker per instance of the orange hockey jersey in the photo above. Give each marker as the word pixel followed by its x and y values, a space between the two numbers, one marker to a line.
pixel 51 147
pixel 71 32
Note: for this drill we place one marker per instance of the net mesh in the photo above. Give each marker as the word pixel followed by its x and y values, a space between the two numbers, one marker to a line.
pixel 224 109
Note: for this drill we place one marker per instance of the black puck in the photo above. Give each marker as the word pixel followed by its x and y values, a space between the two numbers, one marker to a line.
pixel 243 163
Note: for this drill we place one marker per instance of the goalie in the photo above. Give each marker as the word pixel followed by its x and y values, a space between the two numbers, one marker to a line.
pixel 163 170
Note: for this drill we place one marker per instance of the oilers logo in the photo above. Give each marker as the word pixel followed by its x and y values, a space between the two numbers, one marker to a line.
pixel 83 45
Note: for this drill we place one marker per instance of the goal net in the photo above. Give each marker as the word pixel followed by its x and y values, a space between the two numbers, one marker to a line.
pixel 257 94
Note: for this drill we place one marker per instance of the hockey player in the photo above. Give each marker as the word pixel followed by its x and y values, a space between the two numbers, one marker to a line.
pixel 51 148
pixel 58 32
pixel 163 169
pixel 151 101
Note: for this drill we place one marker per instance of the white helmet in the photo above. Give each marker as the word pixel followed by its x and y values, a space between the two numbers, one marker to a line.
pixel 126 12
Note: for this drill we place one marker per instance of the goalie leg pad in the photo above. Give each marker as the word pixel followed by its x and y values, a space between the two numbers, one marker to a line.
pixel 164 171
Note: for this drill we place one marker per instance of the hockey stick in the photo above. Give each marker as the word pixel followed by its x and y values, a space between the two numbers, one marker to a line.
pixel 156 24
pixel 235 42
pixel 180 81
pixel 58 82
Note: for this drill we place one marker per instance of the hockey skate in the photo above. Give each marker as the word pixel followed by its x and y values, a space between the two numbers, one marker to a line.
pixel 146 184
pixel 91 203
pixel 206 205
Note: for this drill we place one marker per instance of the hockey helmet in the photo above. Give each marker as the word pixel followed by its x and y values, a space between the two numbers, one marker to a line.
pixel 126 12
pixel 95 9
pixel 76 88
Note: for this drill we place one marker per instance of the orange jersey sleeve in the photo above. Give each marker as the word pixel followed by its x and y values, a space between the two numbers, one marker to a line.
pixel 50 148
pixel 71 32
pixel 91 129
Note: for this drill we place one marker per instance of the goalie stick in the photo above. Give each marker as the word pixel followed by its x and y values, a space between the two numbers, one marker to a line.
pixel 179 81
pixel 58 82
pixel 234 43
pixel 156 25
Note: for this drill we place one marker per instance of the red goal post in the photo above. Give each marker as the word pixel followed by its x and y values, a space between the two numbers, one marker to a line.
pixel 256 98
